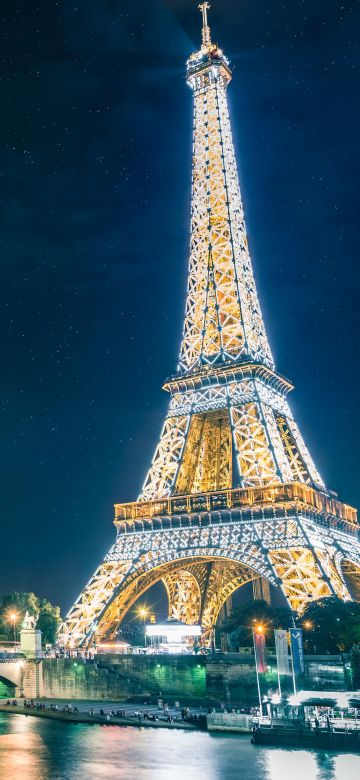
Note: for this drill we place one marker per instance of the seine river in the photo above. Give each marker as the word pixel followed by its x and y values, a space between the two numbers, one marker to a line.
pixel 37 749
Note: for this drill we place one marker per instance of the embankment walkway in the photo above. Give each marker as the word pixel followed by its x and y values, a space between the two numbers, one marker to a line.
pixel 146 717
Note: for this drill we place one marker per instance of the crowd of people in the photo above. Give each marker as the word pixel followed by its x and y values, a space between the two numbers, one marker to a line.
pixel 85 655
pixel 39 705
pixel 162 716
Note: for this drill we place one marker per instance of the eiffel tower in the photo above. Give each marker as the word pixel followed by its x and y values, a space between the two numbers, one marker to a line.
pixel 232 494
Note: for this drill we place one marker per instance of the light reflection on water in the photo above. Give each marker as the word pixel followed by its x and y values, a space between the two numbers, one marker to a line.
pixel 35 749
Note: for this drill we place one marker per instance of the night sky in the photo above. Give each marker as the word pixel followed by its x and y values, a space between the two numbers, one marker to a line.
pixel 95 169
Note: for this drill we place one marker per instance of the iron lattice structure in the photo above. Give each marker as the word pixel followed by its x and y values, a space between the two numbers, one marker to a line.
pixel 232 493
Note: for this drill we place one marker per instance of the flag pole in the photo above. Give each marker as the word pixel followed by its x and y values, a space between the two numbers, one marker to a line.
pixel 279 683
pixel 278 666
pixel 257 677
pixel 292 666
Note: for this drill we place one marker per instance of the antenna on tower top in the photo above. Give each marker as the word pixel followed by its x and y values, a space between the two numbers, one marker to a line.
pixel 205 33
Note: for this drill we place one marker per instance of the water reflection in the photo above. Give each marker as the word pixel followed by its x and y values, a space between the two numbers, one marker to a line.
pixel 35 749
pixel 292 765
pixel 23 752
pixel 347 767
pixel 123 753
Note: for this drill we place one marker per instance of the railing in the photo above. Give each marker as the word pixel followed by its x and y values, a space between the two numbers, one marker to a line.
pixel 236 498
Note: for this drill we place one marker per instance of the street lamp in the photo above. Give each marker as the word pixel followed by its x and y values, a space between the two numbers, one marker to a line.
pixel 13 617
pixel 308 626
pixel 258 631
pixel 143 613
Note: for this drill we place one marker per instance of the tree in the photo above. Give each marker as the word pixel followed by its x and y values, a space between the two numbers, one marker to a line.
pixel 48 621
pixel 239 626
pixel 19 603
pixel 16 603
pixel 331 625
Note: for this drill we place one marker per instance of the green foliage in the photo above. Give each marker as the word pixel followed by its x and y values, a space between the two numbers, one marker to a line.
pixel 329 625
pixel 240 625
pixel 355 666
pixel 48 621
pixel 20 603
pixel 334 625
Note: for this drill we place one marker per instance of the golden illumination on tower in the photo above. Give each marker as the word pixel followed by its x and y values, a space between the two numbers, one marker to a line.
pixel 232 494
pixel 207 459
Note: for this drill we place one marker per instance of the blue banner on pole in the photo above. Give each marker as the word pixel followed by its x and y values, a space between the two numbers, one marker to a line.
pixel 297 650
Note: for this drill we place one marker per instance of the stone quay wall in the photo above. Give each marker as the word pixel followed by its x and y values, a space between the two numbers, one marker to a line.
pixel 224 678
pixel 231 678
pixel 115 677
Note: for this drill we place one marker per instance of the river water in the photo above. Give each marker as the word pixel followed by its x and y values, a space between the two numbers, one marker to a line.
pixel 38 749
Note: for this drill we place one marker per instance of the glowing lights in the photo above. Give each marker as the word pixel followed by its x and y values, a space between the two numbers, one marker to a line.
pixel 229 424
pixel 143 612
pixel 218 328
pixel 236 498
pixel 173 636
pixel 173 632
pixel 205 33
pixel 308 625
pixel 184 596
pixel 12 617
pixel 342 699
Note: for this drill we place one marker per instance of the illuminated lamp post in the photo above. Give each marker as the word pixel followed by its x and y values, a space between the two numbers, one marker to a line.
pixel 143 613
pixel 13 617
pixel 308 625
pixel 259 631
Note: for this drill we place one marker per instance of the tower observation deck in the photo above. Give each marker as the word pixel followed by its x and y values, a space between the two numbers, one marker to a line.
pixel 232 493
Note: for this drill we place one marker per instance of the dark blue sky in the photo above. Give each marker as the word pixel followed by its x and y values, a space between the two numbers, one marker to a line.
pixel 95 166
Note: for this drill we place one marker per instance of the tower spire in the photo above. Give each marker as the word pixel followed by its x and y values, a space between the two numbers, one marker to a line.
pixel 205 33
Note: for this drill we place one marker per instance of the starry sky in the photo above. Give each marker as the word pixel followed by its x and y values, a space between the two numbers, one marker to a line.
pixel 95 169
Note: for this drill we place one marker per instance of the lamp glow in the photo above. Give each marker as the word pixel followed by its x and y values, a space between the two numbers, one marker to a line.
pixel 12 617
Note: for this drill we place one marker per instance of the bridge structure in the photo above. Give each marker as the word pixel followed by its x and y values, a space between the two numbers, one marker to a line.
pixel 21 676
pixel 11 673
pixel 232 493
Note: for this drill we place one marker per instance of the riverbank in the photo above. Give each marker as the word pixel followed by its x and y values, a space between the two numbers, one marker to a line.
pixel 136 718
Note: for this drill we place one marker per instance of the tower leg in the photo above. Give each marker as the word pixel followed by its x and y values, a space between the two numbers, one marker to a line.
pixel 261 590
pixel 351 575
pixel 305 576
pixel 184 596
